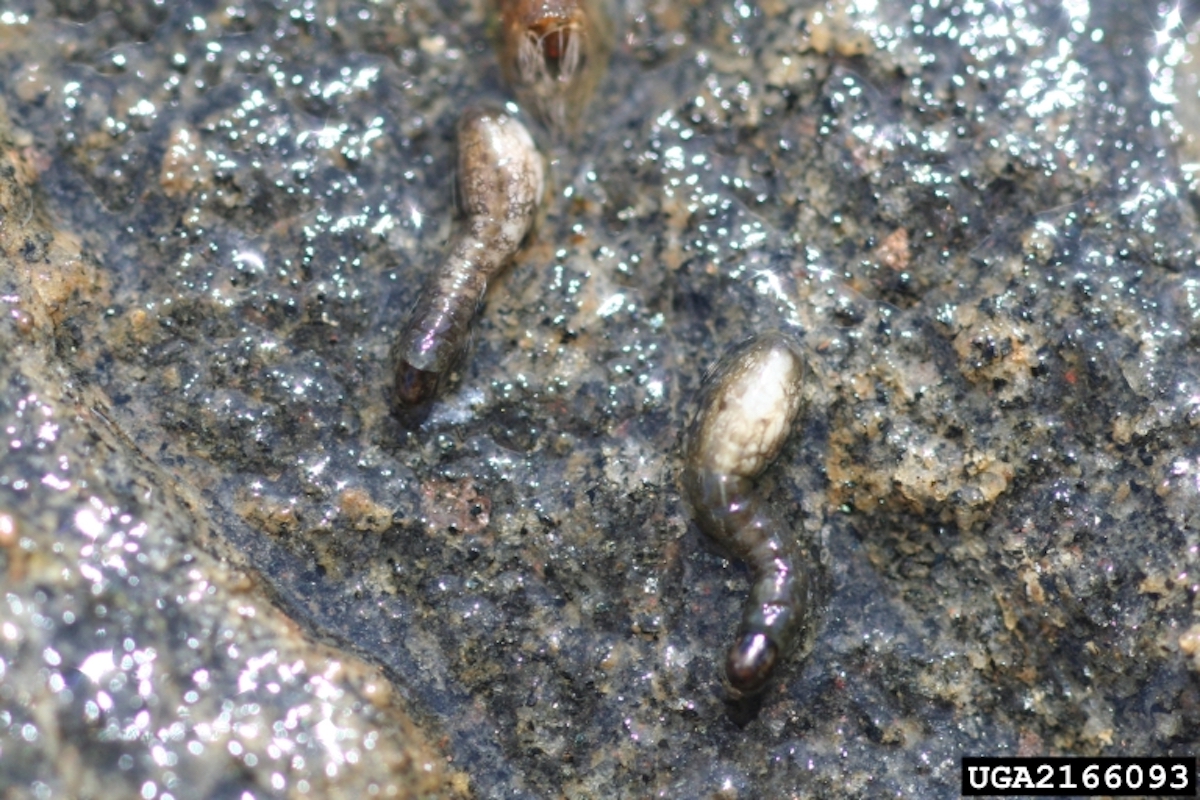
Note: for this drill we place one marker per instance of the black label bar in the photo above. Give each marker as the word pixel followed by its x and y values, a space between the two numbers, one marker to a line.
pixel 1079 777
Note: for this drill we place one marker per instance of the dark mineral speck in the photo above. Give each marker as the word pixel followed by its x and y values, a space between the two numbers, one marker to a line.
pixel 228 571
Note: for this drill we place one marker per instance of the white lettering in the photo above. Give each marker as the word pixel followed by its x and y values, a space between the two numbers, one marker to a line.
pixel 1023 780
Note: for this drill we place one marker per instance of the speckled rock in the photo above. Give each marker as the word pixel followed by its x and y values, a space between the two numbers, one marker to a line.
pixel 139 655
pixel 978 219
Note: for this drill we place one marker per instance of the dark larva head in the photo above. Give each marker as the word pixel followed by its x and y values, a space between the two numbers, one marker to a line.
pixel 750 663
pixel 412 388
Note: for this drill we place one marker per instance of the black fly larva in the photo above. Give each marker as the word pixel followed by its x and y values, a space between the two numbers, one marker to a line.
pixel 500 184
pixel 553 52
pixel 746 413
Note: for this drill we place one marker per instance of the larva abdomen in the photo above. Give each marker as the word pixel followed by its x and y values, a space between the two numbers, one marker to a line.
pixel 746 414
pixel 500 181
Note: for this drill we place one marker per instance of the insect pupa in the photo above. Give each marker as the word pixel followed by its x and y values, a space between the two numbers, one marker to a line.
pixel 746 413
pixel 500 185
pixel 553 53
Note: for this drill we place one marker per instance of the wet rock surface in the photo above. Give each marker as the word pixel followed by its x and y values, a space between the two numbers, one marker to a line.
pixel 139 654
pixel 978 219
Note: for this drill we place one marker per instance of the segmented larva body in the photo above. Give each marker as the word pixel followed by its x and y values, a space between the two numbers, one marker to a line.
pixel 500 185
pixel 745 417
pixel 553 53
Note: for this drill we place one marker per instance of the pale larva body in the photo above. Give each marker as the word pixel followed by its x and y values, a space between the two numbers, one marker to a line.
pixel 501 178
pixel 746 414
pixel 553 53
